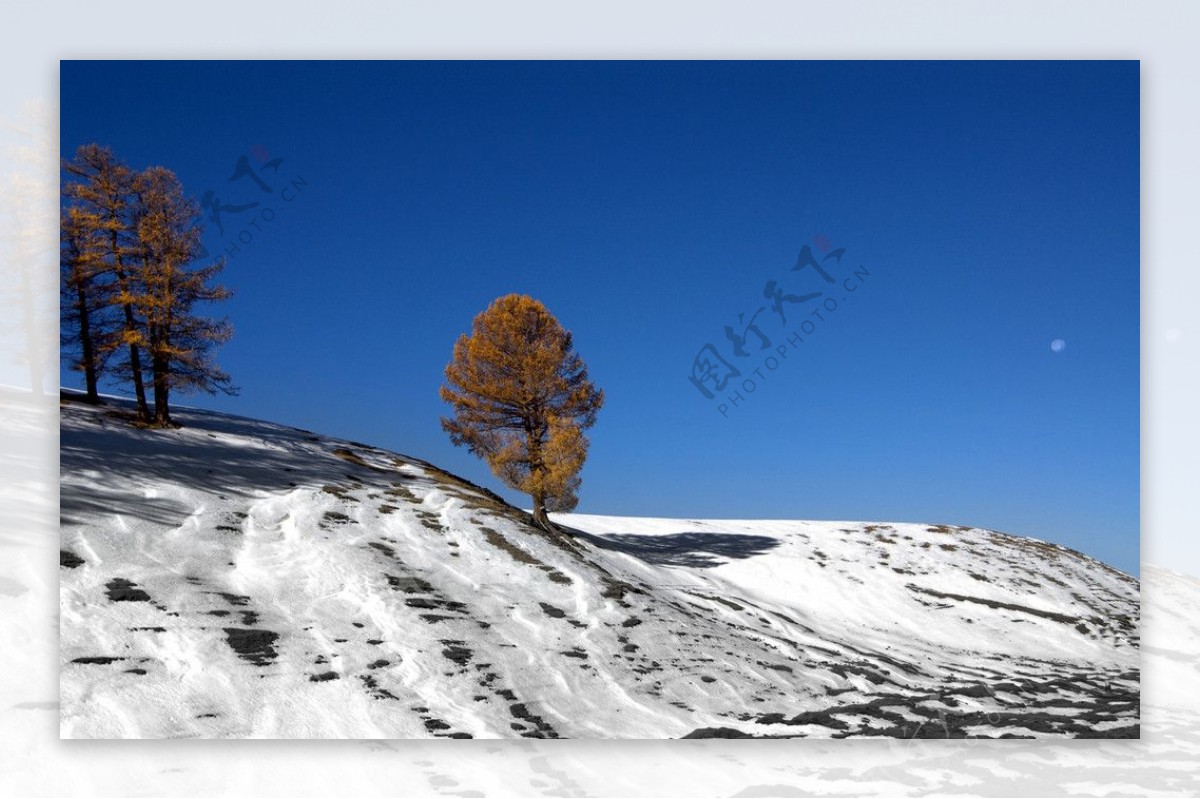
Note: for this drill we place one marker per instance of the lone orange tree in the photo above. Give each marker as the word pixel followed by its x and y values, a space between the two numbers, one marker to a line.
pixel 521 400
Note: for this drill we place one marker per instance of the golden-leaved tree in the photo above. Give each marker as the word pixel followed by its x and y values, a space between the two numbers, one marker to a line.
pixel 173 279
pixel 521 399
pixel 98 194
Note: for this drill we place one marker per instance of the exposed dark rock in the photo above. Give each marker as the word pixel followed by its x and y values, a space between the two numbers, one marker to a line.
pixel 121 590
pixel 255 646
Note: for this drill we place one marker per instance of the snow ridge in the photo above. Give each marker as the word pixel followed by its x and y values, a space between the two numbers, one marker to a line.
pixel 236 578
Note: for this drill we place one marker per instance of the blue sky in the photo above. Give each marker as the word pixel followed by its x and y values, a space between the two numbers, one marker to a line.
pixel 985 209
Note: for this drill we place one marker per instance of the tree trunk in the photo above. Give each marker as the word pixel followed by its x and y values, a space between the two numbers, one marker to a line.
pixel 533 446
pixel 135 365
pixel 162 412
pixel 89 350
pixel 539 513
pixel 135 357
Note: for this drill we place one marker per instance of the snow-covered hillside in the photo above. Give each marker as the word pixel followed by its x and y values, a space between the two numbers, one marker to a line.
pixel 237 578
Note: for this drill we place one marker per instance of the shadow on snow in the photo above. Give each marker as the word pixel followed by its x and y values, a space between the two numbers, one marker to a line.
pixel 697 550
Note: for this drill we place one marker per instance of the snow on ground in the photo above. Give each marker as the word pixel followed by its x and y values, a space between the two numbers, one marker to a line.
pixel 237 578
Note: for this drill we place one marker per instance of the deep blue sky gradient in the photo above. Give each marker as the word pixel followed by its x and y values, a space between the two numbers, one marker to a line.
pixel 993 206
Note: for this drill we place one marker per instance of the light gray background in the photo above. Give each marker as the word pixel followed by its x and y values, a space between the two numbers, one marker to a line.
pixel 34 36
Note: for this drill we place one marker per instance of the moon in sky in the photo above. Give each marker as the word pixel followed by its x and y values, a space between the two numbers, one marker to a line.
pixel 1058 345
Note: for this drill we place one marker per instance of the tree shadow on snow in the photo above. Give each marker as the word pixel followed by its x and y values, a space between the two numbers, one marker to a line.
pixel 118 470
pixel 697 550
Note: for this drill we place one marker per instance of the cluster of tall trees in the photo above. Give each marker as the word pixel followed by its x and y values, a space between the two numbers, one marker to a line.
pixel 133 280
